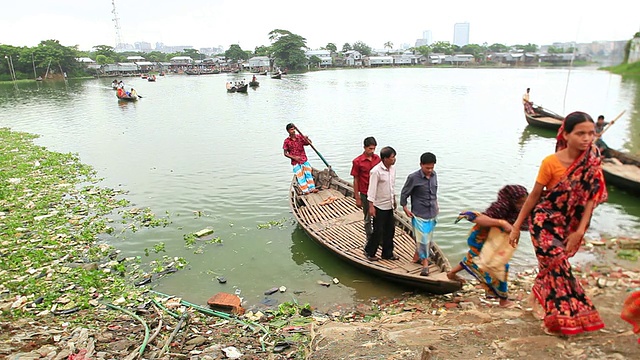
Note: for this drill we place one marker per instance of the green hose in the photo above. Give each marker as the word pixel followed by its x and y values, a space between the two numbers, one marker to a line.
pixel 175 315
pixel 252 325
pixel 146 327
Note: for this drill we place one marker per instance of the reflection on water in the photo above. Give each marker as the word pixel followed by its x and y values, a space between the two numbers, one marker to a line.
pixel 190 147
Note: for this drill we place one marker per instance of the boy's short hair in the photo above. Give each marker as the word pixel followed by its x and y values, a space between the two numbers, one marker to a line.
pixel 427 158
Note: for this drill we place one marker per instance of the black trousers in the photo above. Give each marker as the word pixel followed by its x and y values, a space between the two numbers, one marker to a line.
pixel 384 228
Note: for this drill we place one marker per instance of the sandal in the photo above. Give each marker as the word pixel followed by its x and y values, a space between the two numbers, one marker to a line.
pixel 424 272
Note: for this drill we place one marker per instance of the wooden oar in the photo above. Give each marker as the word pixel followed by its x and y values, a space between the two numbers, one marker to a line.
pixel 314 148
pixel 612 122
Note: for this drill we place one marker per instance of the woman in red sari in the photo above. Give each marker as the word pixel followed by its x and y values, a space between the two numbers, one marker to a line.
pixel 569 186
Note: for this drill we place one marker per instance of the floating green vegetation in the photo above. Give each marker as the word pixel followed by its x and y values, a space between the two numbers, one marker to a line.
pixel 53 223
pixel 273 223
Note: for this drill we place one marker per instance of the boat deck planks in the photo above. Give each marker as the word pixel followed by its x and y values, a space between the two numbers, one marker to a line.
pixel 332 219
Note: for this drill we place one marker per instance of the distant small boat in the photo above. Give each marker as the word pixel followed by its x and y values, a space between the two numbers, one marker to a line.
pixel 543 118
pixel 127 98
pixel 151 78
pixel 144 76
pixel 239 88
pixel 254 83
pixel 263 73
pixel 277 76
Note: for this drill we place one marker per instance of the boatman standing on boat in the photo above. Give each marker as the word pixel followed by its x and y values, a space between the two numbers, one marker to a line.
pixel 382 202
pixel 294 149
pixel 360 168
pixel 422 187
pixel 528 105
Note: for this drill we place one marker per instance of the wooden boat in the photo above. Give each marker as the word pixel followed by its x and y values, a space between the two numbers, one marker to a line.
pixel 242 88
pixel 543 118
pixel 254 83
pixel 151 78
pixel 263 73
pixel 127 98
pixel 332 219
pixel 276 76
pixel 622 170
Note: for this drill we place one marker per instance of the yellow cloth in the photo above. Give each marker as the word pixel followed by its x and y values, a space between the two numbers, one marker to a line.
pixel 525 98
pixel 551 171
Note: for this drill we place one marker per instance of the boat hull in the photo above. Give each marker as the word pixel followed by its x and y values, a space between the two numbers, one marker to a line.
pixel 338 226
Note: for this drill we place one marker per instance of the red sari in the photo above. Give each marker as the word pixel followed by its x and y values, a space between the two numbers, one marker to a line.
pixel 558 213
pixel 631 311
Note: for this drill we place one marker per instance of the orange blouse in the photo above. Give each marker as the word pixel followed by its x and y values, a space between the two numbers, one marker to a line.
pixel 551 171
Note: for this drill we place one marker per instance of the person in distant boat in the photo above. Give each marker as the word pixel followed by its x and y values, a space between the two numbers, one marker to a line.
pixel 360 168
pixel 599 128
pixel 253 79
pixel 528 104
pixel 422 187
pixel 382 202
pixel 133 93
pixel 500 214
pixel 560 217
pixel 229 86
pixel 294 149
pixel 121 93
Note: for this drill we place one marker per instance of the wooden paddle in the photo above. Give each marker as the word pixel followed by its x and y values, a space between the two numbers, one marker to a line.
pixel 314 148
pixel 612 122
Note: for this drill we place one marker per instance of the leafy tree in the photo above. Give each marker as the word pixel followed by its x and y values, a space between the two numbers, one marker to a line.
pixel 424 50
pixel 444 47
pixel 388 45
pixel 554 50
pixel 288 49
pixel 192 53
pixel 362 48
pixel 235 53
pixel 105 50
pixel 498 48
pixel 155 56
pixel 346 47
pixel 331 47
pixel 59 56
pixel 262 51
pixel 102 59
pixel 473 49
pixel 315 60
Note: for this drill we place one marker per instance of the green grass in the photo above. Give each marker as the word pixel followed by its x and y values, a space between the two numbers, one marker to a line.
pixel 632 69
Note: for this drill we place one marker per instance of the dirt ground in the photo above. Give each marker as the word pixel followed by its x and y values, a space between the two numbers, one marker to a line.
pixel 416 326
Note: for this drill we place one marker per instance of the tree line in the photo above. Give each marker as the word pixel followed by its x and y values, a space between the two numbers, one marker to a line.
pixel 286 49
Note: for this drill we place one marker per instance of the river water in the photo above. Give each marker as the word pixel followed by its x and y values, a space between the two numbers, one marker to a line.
pixel 189 146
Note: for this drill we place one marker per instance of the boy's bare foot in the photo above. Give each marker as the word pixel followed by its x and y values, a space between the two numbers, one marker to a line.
pixel 453 276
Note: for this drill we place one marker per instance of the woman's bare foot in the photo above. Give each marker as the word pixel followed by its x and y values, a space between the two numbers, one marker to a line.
pixel 453 276
pixel 506 303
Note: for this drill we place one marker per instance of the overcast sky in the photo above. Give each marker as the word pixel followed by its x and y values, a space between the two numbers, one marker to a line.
pixel 212 23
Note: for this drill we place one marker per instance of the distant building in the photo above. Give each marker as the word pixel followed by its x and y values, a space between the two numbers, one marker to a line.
pixel 324 55
pixel 142 46
pixel 461 34
pixel 259 62
pixel 374 61
pixel 426 35
pixel 352 58
pixel 135 58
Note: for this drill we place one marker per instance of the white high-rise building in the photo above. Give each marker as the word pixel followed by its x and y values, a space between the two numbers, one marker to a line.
pixel 426 39
pixel 461 34
pixel 426 35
